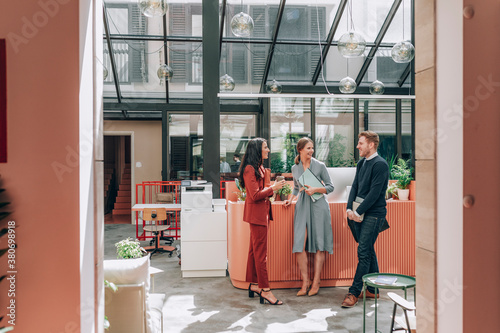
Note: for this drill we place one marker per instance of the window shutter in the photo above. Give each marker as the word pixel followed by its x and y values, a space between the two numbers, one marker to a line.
pixel 259 51
pixel 178 26
pixel 137 49
pixel 316 53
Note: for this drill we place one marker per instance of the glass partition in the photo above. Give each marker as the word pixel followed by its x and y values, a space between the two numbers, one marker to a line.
pixel 186 143
pixel 334 144
pixel 290 121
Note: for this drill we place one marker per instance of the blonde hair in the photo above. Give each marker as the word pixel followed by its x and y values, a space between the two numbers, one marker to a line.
pixel 370 136
pixel 300 145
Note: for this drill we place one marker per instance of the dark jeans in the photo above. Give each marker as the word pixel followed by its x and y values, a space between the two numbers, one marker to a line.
pixel 366 235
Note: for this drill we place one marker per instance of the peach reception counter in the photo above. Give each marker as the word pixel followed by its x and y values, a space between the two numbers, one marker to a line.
pixel 395 247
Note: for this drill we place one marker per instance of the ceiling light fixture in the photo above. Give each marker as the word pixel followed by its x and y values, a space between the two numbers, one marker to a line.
pixel 152 8
pixel 347 85
pixel 403 51
pixel 164 73
pixel 242 25
pixel 377 88
pixel 274 87
pixel 351 44
pixel 226 83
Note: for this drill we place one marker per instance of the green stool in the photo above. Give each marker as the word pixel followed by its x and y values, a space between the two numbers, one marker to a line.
pixel 403 282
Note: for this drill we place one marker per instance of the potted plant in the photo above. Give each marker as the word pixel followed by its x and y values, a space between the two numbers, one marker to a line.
pixel 402 171
pixel 242 194
pixel 129 249
pixel 284 192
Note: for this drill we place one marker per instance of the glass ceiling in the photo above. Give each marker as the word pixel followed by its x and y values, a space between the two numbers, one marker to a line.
pixel 305 55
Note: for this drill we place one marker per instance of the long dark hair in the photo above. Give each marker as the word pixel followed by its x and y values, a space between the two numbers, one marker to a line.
pixel 253 157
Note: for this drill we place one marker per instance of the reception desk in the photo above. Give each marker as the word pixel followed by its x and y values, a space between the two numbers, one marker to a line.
pixel 395 247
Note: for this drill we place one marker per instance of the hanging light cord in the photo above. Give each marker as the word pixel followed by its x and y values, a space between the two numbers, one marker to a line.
pixel 349 7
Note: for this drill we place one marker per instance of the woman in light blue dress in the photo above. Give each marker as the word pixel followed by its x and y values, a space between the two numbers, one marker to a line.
pixel 312 220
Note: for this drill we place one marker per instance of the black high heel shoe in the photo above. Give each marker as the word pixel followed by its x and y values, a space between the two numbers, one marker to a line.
pixel 252 293
pixel 264 299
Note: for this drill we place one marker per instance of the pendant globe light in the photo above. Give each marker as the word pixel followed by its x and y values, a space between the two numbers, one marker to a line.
pixel 347 85
pixel 151 8
pixel 351 44
pixel 404 51
pixel 274 87
pixel 242 25
pixel 164 73
pixel 377 88
pixel 226 83
pixel 105 73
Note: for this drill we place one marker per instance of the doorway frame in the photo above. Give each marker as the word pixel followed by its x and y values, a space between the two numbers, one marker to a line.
pixel 132 163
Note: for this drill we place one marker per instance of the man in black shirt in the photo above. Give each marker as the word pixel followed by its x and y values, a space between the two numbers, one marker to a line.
pixel 236 166
pixel 368 219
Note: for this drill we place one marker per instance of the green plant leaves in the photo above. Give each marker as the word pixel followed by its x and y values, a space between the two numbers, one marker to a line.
pixel 402 171
pixel 129 249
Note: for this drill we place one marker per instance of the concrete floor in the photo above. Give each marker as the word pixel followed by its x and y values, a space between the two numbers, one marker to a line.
pixel 214 305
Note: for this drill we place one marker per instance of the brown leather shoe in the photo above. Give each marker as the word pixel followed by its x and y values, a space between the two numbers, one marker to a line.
pixel 349 301
pixel 369 295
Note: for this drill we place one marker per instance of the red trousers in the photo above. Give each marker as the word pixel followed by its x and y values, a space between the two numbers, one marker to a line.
pixel 257 256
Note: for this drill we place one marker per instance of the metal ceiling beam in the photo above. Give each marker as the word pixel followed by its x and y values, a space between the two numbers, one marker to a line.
pixel 112 58
pixel 276 30
pixel 378 40
pixel 235 107
pixel 405 74
pixel 165 49
pixel 231 40
pixel 331 34
pixel 221 32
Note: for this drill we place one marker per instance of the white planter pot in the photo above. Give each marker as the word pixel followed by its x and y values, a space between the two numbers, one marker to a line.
pixel 403 194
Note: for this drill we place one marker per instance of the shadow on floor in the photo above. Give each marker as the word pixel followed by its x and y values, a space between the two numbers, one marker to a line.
pixel 214 305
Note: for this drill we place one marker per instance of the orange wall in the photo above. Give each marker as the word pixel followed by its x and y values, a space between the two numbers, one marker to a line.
pixel 42 118
pixel 481 165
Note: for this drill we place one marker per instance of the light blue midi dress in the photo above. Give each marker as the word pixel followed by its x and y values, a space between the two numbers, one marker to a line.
pixel 312 216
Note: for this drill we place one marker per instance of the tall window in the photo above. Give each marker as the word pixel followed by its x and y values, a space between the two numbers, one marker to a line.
pixel 290 121
pixel 334 144
pixel 130 56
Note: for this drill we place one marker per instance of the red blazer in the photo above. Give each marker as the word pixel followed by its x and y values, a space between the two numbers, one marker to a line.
pixel 257 207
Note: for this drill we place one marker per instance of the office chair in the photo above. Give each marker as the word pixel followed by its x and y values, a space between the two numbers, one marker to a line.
pixel 156 215
pixel 166 198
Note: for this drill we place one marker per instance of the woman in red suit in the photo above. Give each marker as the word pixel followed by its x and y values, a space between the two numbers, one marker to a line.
pixel 257 212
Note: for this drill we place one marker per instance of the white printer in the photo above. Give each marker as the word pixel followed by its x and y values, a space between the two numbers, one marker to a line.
pixel 203 232
pixel 196 196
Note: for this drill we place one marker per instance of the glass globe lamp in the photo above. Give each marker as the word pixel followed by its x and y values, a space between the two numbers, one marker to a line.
pixel 274 87
pixel 403 52
pixel 351 44
pixel 377 88
pixel 347 85
pixel 289 113
pixel 226 83
pixel 152 8
pixel 164 73
pixel 105 73
pixel 242 25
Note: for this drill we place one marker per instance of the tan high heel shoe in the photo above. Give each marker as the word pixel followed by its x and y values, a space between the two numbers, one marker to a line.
pixel 313 291
pixel 302 291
